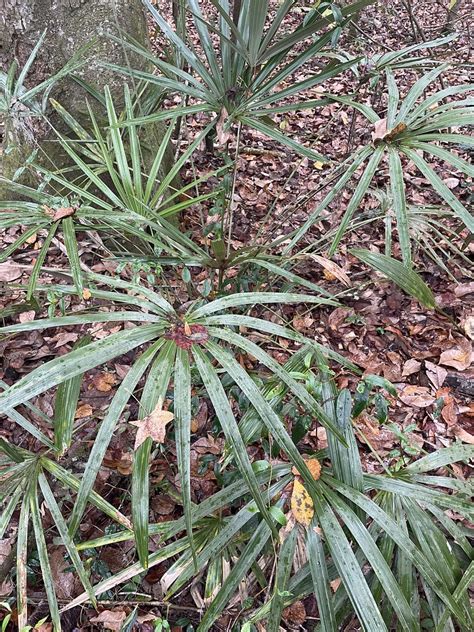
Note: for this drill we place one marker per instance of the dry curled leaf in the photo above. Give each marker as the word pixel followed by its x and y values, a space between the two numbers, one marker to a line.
pixel 436 374
pixel 380 129
pixel 381 133
pixel 153 425
pixel 334 271
pixel 418 396
pixel 223 133
pixel 104 381
pixel 451 183
pixel 468 326
pixel 85 410
pixel 62 212
pixel 301 504
pixel 460 357
pixel 449 411
pixel 463 435
pixel 314 466
pixel 411 366
pixel 111 619
pixel 335 584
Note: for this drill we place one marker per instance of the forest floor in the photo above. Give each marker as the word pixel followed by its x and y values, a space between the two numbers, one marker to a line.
pixel 427 355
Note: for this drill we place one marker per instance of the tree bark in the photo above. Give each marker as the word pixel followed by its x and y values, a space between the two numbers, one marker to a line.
pixel 70 24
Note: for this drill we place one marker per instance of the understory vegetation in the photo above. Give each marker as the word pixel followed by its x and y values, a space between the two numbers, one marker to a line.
pixel 228 471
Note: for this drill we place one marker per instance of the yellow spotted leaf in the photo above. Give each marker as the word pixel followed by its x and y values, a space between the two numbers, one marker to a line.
pixel 301 504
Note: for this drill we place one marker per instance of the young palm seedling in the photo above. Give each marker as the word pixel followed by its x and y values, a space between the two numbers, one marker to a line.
pixel 110 190
pixel 412 130
pixel 416 560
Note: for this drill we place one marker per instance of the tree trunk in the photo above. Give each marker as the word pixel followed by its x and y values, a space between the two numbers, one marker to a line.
pixel 70 25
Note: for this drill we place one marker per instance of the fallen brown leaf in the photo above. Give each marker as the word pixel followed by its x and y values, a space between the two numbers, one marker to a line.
pixel 104 381
pixel 301 323
pixel 464 288
pixel 6 588
pixel 5 549
pixel 120 461
pixel 85 410
pixel 378 436
pixel 301 504
pixel 459 357
pixel 435 374
pixel 411 366
pixel 418 396
pixel 335 584
pixel 63 211
pixel 464 435
pixel 110 619
pixel 451 183
pixel 27 317
pixel 208 445
pixel 148 616
pixel 223 135
pixel 382 133
pixel 314 466
pixel 67 584
pixel 468 326
pixel 153 425
pixel 380 129
pixel 336 271
pixel 449 411
pixel 9 272
pixel 64 337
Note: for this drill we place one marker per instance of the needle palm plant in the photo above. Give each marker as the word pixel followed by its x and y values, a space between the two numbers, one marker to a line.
pixel 412 130
pixel 200 337
pixel 246 77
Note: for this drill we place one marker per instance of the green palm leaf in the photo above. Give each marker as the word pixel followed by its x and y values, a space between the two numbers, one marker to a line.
pixel 229 425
